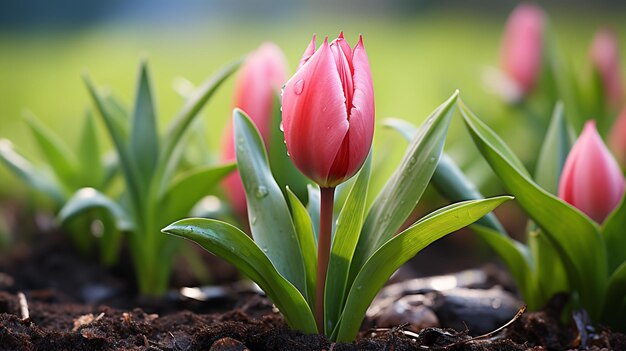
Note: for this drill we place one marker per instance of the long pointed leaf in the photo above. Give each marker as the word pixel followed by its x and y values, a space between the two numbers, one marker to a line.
pixel 313 207
pixel 118 136
pixel 306 239
pixel 401 193
pixel 448 179
pixel 344 243
pixel 394 253
pixel 236 247
pixel 189 188
pixel 24 170
pixel 144 142
pixel 89 158
pixel 171 151
pixel 270 222
pixel 575 236
pixel 616 298
pixel 57 154
pixel 613 232
pixel 89 198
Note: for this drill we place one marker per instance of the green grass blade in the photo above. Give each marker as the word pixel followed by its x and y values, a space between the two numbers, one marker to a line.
pixel 346 236
pixel 613 232
pixel 270 222
pixel 57 154
pixel 403 190
pixel 26 172
pixel 554 151
pixel 237 248
pixel 306 238
pixel 575 237
pixel 87 199
pixel 190 187
pixel 517 259
pixel 117 134
pixel 89 158
pixel 615 298
pixel 144 140
pixel 448 179
pixel 395 252
pixel 171 151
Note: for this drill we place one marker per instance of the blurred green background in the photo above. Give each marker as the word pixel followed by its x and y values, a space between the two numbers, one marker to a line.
pixel 419 51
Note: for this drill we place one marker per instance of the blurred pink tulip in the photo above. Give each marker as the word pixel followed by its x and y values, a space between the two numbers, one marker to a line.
pixel 604 55
pixel 328 112
pixel 522 46
pixel 260 78
pixel 617 138
pixel 591 180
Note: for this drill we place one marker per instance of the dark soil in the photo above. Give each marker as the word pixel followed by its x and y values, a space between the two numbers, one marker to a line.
pixel 71 303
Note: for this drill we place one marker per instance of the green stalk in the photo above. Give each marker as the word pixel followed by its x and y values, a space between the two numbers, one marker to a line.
pixel 323 251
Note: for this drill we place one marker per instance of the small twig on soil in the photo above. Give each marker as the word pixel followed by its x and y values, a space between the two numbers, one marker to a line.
pixel 492 333
pixel 23 305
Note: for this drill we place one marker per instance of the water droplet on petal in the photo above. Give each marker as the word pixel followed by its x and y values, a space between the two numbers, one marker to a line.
pixel 260 191
pixel 298 87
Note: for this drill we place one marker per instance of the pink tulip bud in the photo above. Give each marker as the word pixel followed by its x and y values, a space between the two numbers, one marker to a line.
pixel 591 179
pixel 259 79
pixel 604 55
pixel 328 112
pixel 522 46
pixel 617 138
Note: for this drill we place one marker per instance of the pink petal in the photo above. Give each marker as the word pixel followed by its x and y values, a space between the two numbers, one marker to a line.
pixel 596 183
pixel 344 69
pixel 361 118
pixel 308 52
pixel 315 120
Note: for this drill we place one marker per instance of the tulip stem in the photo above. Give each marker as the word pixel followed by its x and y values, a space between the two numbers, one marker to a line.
pixel 323 251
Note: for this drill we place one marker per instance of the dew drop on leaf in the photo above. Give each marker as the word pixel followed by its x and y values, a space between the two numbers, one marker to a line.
pixel 260 191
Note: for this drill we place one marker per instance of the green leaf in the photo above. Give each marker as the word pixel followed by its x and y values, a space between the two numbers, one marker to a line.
pixel 171 151
pixel 91 167
pixel 190 187
pixel 615 299
pixel 237 248
pixel 554 151
pixel 306 238
pixel 613 232
pixel 270 222
pixel 119 140
pixel 550 273
pixel 574 236
pixel 33 177
pixel 396 200
pixel 344 243
pixel 57 154
pixel 448 178
pixel 283 169
pixel 144 141
pixel 88 199
pixel 313 207
pixel 516 257
pixel 395 252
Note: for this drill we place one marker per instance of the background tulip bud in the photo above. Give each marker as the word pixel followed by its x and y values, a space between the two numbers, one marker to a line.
pixel 522 46
pixel 591 179
pixel 328 112
pixel 260 78
pixel 604 55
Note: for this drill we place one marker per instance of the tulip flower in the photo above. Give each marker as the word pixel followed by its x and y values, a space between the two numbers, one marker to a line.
pixel 522 46
pixel 261 76
pixel 328 120
pixel 604 55
pixel 591 179
pixel 617 138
